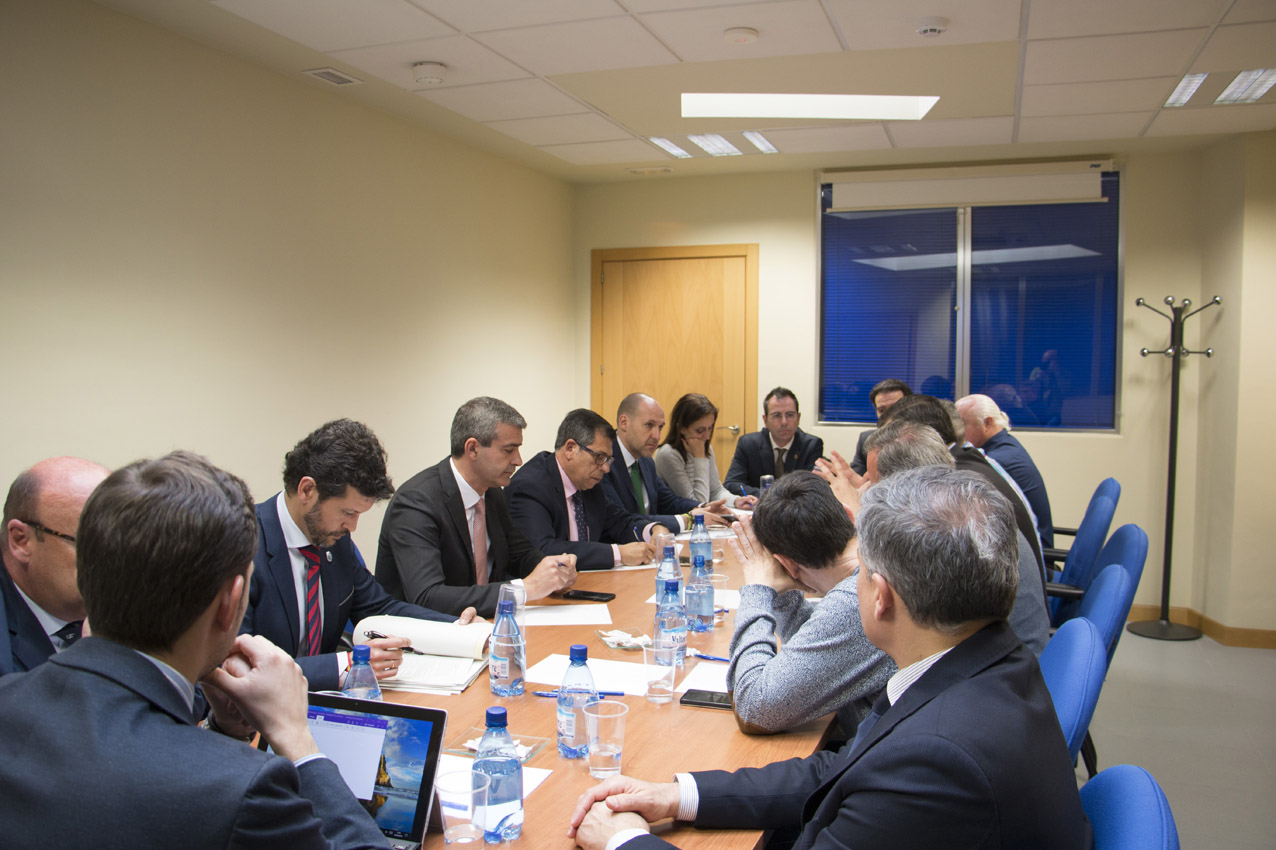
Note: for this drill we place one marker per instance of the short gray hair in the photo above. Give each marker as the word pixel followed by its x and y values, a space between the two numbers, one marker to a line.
pixel 945 540
pixel 902 445
pixel 983 407
pixel 480 418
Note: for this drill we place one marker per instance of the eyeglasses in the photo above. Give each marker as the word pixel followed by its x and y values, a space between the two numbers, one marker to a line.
pixel 41 527
pixel 600 459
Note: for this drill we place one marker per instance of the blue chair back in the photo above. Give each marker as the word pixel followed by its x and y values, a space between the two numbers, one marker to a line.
pixel 1107 604
pixel 1078 568
pixel 1073 664
pixel 1128 546
pixel 1128 811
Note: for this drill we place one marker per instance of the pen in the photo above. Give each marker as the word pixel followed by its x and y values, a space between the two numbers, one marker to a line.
pixel 407 649
pixel 600 693
pixel 709 657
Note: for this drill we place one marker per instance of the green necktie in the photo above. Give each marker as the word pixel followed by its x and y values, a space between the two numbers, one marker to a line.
pixel 640 492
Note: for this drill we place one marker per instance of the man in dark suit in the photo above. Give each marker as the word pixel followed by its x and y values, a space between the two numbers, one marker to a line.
pixel 100 747
pixel 556 501
pixel 756 454
pixel 881 396
pixel 310 578
pixel 988 429
pixel 639 421
pixel 42 611
pixel 429 547
pixel 962 750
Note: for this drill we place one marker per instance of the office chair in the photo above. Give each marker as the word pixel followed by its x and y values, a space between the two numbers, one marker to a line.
pixel 1079 560
pixel 1128 546
pixel 1073 664
pixel 1107 605
pixel 1128 811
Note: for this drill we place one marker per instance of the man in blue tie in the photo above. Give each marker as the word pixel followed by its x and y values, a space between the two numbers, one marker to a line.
pixel 42 610
pixel 962 750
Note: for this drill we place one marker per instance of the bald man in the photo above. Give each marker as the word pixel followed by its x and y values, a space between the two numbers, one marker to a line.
pixel 43 611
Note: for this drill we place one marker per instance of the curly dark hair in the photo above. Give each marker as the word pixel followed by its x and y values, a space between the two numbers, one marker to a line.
pixel 339 454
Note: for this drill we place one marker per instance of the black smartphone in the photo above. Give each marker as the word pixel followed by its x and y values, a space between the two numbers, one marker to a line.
pixel 589 595
pixel 706 699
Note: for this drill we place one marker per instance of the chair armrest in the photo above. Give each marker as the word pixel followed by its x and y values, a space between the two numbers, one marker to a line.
pixel 1064 591
pixel 1069 532
pixel 1050 554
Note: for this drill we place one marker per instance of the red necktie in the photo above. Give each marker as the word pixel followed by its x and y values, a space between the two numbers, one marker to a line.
pixel 314 615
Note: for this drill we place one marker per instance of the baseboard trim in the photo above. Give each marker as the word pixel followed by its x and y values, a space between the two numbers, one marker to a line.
pixel 1226 635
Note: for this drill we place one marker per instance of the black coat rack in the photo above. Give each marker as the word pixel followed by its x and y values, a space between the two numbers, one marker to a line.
pixel 1162 628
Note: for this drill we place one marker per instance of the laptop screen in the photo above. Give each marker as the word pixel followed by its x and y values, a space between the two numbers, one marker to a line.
pixel 387 754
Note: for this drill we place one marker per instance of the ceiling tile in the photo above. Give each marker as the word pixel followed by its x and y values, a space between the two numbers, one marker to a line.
pixel 584 46
pixel 1244 11
pixel 849 137
pixel 479 15
pixel 1114 57
pixel 328 25
pixel 1239 48
pixel 631 152
pixel 529 98
pixel 1121 125
pixel 639 6
pixel 784 29
pixel 878 24
pixel 467 61
pixel 1214 119
pixel 953 132
pixel 1094 98
pixel 1101 17
pixel 561 129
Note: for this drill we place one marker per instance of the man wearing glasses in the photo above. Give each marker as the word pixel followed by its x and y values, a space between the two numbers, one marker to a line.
pixel 556 502
pixel 781 447
pixel 43 612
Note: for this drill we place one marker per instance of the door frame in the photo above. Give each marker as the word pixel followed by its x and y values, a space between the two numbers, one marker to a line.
pixel 749 253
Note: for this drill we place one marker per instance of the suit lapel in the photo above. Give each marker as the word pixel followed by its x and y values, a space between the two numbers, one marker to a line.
pixel 27 641
pixel 647 467
pixel 496 538
pixel 456 512
pixel 624 486
pixel 280 569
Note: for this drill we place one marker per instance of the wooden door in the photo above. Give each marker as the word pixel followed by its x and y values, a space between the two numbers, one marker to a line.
pixel 669 321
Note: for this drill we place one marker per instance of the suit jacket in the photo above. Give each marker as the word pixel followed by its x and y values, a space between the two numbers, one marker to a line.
pixel 1006 449
pixel 538 504
pixel 662 502
pixel 859 460
pixel 349 593
pixel 23 643
pixel 425 554
pixel 99 750
pixel 970 458
pixel 932 772
pixel 754 458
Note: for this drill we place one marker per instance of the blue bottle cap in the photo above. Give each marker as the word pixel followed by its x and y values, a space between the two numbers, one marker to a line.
pixel 698 519
pixel 505 606
pixel 697 561
pixel 362 652
pixel 496 716
pixel 669 552
pixel 671 585
pixel 579 652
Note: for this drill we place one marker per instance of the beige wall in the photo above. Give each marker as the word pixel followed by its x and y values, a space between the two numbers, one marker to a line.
pixel 198 253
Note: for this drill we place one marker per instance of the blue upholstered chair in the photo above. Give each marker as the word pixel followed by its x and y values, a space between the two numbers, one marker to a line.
pixel 1128 811
pixel 1073 664
pixel 1128 546
pixel 1078 561
pixel 1107 605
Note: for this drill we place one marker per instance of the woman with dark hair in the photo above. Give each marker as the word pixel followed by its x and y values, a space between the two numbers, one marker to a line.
pixel 685 460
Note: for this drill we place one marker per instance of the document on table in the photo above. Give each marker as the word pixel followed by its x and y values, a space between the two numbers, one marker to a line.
pixel 705 676
pixel 650 566
pixel 608 675
pixel 718 532
pixel 532 776
pixel 729 599
pixel 569 615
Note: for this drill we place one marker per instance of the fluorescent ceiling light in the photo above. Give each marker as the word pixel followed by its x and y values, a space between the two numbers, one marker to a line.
pixel 1248 86
pixel 669 147
pixel 714 145
pixel 917 262
pixel 1185 89
pixel 837 106
pixel 760 141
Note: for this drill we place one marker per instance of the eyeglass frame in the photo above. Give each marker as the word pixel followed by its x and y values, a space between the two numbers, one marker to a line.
pixel 39 526
pixel 600 459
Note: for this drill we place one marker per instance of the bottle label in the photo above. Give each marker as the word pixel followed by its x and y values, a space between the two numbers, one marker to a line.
pixel 500 667
pixel 566 723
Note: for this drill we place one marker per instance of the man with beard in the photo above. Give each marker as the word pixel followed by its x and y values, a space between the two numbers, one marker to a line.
pixel 310 578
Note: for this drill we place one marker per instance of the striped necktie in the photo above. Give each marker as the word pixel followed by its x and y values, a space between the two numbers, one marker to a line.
pixel 313 627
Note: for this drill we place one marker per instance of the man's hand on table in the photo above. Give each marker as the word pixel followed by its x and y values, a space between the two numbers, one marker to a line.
pixel 553 574
pixel 617 804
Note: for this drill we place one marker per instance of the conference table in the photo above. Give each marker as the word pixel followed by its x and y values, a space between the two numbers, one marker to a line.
pixel 659 739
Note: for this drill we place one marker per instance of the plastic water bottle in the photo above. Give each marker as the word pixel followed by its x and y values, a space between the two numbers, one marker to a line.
pixel 699 598
pixel 498 757
pixel 507 654
pixel 668 569
pixel 701 544
pixel 671 622
pixel 361 682
pixel 576 692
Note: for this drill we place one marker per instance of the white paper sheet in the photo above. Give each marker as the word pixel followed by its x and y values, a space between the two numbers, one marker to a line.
pixel 608 675
pixel 705 676
pixel 650 566
pixel 722 598
pixel 532 776
pixel 717 532
pixel 569 615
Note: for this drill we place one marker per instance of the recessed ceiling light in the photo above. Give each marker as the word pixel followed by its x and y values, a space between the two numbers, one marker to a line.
pixel 846 107
pixel 1185 89
pixel 714 145
pixel 760 141
pixel 740 35
pixel 669 147
pixel 1248 86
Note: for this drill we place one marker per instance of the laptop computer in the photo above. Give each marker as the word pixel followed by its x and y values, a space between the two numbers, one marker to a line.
pixel 388 755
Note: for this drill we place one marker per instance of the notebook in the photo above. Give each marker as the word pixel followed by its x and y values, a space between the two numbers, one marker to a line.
pixel 387 754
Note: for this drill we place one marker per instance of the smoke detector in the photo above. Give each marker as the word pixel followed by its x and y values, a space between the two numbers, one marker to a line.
pixel 429 73
pixel 932 27
pixel 740 35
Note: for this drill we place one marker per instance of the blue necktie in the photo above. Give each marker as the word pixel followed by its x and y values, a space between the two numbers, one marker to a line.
pixel 578 508
pixel 880 707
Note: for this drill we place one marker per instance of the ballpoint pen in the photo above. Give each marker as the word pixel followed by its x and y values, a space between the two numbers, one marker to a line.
pixel 600 693
pixel 409 650
pixel 691 650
